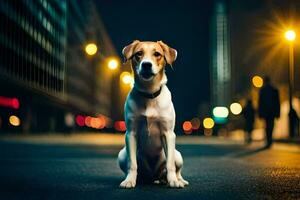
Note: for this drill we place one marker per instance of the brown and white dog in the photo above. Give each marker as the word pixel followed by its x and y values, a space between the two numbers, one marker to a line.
pixel 149 153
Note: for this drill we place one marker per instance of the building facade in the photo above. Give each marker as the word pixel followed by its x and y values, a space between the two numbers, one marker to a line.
pixel 220 56
pixel 44 66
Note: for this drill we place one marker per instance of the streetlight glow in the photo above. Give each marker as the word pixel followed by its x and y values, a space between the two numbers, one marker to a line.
pixel 91 49
pixel 257 81
pixel 14 120
pixel 221 112
pixel 290 35
pixel 236 108
pixel 113 63
pixel 208 123
pixel 126 78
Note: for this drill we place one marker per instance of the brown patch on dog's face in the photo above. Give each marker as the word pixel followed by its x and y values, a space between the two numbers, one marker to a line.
pixel 148 58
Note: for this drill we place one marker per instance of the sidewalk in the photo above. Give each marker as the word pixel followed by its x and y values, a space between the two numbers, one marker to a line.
pixel 117 139
pixel 106 139
pixel 289 140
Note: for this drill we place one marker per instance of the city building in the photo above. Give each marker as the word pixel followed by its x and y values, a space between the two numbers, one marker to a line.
pixel 43 65
pixel 220 56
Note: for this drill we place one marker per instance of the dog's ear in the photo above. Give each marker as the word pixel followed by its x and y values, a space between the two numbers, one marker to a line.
pixel 170 53
pixel 128 50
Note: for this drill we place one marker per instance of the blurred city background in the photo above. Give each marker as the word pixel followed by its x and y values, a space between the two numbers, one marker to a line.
pixel 61 68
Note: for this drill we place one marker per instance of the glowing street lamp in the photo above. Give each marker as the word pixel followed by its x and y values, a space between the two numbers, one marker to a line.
pixel 257 81
pixel 221 112
pixel 91 49
pixel 126 78
pixel 290 36
pixel 113 63
pixel 14 120
pixel 208 123
pixel 236 108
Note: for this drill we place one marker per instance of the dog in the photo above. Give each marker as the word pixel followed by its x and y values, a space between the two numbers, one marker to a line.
pixel 149 154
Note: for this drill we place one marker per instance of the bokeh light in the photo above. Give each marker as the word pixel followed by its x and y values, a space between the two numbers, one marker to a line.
pixel 126 78
pixel 10 102
pixel 236 108
pixel 208 123
pixel 91 49
pixel 69 119
pixel 96 122
pixel 113 63
pixel 120 126
pixel 103 122
pixel 15 103
pixel 187 127
pixel 195 123
pixel 80 120
pixel 290 35
pixel 257 81
pixel 14 120
pixel 221 112
pixel 87 121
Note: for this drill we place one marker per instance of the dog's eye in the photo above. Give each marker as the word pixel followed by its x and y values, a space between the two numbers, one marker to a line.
pixel 139 54
pixel 157 54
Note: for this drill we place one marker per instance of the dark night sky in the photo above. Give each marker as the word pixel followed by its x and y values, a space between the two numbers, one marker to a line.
pixel 184 25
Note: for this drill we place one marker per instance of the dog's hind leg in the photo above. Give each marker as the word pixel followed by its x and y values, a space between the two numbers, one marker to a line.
pixel 122 160
pixel 179 165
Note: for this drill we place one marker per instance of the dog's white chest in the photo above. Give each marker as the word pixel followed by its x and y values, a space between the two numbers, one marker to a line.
pixel 151 111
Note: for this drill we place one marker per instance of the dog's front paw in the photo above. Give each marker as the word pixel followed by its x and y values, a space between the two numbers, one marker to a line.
pixel 129 182
pixel 173 181
pixel 183 182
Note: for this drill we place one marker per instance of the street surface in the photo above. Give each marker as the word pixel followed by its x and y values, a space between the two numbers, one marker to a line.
pixel 85 167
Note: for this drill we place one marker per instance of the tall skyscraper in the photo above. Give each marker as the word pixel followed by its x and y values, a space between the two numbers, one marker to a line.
pixel 220 56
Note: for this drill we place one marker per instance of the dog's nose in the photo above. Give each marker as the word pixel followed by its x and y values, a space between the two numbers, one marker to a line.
pixel 146 66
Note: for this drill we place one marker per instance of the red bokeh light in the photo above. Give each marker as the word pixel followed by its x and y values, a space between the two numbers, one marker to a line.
pixel 10 102
pixel 15 103
pixel 120 126
pixel 80 120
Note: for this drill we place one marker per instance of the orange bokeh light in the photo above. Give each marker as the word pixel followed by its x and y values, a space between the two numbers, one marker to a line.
pixel 96 122
pixel 257 81
pixel 87 121
pixel 187 127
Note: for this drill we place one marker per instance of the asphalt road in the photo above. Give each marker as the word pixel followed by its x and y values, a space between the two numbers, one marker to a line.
pixel 215 171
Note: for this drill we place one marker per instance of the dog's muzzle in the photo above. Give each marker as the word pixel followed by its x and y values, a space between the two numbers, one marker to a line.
pixel 146 70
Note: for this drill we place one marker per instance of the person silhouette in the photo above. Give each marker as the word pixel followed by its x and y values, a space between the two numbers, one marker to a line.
pixel 249 116
pixel 294 122
pixel 268 107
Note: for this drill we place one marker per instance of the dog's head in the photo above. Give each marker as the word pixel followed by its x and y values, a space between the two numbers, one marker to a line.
pixel 149 58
